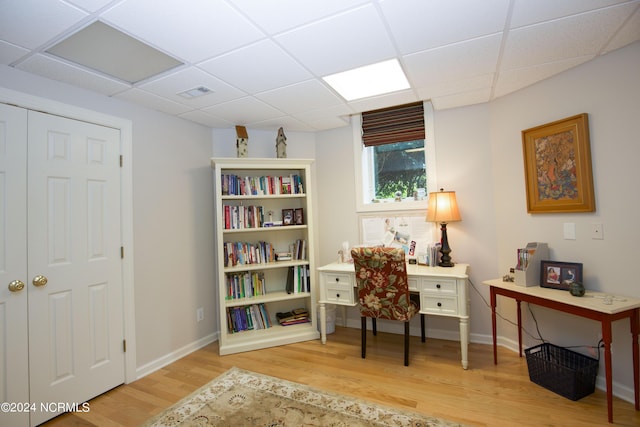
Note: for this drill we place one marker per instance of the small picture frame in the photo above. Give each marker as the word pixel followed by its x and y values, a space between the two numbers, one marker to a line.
pixel 287 216
pixel 559 275
pixel 298 215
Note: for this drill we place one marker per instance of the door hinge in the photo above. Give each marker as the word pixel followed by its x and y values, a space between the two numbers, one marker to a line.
pixel 121 160
pixel 124 346
pixel 122 252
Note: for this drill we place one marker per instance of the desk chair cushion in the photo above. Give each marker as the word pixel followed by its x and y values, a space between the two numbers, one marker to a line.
pixel 383 291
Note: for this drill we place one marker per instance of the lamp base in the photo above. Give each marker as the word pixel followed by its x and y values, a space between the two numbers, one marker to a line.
pixel 445 250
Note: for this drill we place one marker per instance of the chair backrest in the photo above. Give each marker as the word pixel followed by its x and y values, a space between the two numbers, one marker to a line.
pixel 381 276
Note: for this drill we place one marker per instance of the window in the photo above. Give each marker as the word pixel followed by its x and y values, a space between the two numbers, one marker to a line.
pixel 394 158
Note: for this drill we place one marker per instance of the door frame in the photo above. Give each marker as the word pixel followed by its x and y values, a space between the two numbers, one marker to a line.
pixel 125 126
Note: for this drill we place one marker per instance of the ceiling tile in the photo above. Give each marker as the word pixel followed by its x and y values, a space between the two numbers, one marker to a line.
pixel 265 66
pixel 244 110
pixel 527 12
pixel 287 122
pixel 345 41
pixel 512 80
pixel 301 97
pixel 472 84
pixel 90 5
pixel 431 23
pixel 203 118
pixel 193 30
pixel 153 102
pixel 31 23
pixel 563 38
pixel 628 34
pixel 61 71
pixel 10 52
pixel 382 101
pixel 460 61
pixel 461 99
pixel 275 16
pixel 189 78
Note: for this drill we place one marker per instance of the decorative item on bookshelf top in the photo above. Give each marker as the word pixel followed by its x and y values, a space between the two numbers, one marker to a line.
pixel 281 144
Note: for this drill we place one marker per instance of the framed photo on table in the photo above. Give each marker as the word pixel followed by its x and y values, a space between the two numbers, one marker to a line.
pixel 557 161
pixel 559 275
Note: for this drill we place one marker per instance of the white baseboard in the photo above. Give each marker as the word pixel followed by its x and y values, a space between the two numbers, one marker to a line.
pixel 163 361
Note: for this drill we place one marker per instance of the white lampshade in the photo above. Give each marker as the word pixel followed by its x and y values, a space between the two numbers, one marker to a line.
pixel 443 207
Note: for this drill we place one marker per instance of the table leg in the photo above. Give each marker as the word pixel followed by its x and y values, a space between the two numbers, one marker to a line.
pixel 493 325
pixel 323 323
pixel 635 329
pixel 464 341
pixel 606 337
pixel 518 304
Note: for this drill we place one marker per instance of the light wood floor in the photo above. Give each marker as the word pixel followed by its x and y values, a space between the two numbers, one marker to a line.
pixel 434 383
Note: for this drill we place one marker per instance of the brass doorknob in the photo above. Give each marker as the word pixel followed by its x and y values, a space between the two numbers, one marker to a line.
pixel 39 281
pixel 16 286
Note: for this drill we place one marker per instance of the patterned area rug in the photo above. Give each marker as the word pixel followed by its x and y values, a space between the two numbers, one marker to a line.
pixel 243 398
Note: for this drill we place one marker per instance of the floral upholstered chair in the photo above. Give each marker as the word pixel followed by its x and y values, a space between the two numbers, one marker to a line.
pixel 383 291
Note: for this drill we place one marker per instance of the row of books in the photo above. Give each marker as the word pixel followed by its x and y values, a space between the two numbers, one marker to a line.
pixel 240 217
pixel 299 249
pixel 298 279
pixel 248 317
pixel 245 285
pixel 234 185
pixel 243 253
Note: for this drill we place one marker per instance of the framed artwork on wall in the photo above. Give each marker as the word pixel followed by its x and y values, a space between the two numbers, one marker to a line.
pixel 557 161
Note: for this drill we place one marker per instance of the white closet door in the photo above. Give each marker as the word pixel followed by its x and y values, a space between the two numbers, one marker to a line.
pixel 14 386
pixel 76 318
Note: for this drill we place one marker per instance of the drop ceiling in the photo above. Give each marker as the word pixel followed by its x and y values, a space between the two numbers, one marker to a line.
pixel 263 61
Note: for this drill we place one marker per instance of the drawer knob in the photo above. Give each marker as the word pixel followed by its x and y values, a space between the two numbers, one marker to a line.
pixel 438 286
pixel 439 304
pixel 337 295
pixel 337 279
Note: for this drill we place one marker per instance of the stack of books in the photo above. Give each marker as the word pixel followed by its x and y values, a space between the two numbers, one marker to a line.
pixel 293 317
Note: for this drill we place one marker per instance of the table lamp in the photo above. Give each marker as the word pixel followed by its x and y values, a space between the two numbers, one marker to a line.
pixel 443 208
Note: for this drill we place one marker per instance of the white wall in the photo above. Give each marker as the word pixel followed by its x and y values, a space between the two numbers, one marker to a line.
pixel 608 89
pixel 172 219
pixel 479 155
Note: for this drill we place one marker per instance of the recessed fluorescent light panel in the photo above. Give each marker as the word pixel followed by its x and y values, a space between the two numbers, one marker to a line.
pixel 370 80
pixel 111 52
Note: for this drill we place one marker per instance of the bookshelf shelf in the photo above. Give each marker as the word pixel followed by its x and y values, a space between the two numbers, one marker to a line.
pixel 244 245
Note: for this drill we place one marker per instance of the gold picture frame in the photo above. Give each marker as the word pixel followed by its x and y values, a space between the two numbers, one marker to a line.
pixel 557 161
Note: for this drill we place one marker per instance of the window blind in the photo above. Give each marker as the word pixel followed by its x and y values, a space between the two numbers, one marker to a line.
pixel 393 124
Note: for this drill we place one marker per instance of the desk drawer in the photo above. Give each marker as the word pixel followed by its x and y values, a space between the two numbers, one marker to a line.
pixel 339 288
pixel 439 286
pixel 445 305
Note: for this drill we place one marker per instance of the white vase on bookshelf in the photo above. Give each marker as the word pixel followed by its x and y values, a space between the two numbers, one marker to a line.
pixel 251 195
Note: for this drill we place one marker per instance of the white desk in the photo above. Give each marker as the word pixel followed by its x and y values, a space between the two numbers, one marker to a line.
pixel 443 292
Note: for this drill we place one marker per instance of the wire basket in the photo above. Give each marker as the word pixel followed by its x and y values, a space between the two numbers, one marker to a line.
pixel 565 372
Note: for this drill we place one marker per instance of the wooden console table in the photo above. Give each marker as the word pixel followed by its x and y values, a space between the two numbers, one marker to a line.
pixel 591 306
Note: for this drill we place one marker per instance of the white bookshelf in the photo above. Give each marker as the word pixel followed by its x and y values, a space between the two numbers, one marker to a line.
pixel 275 299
